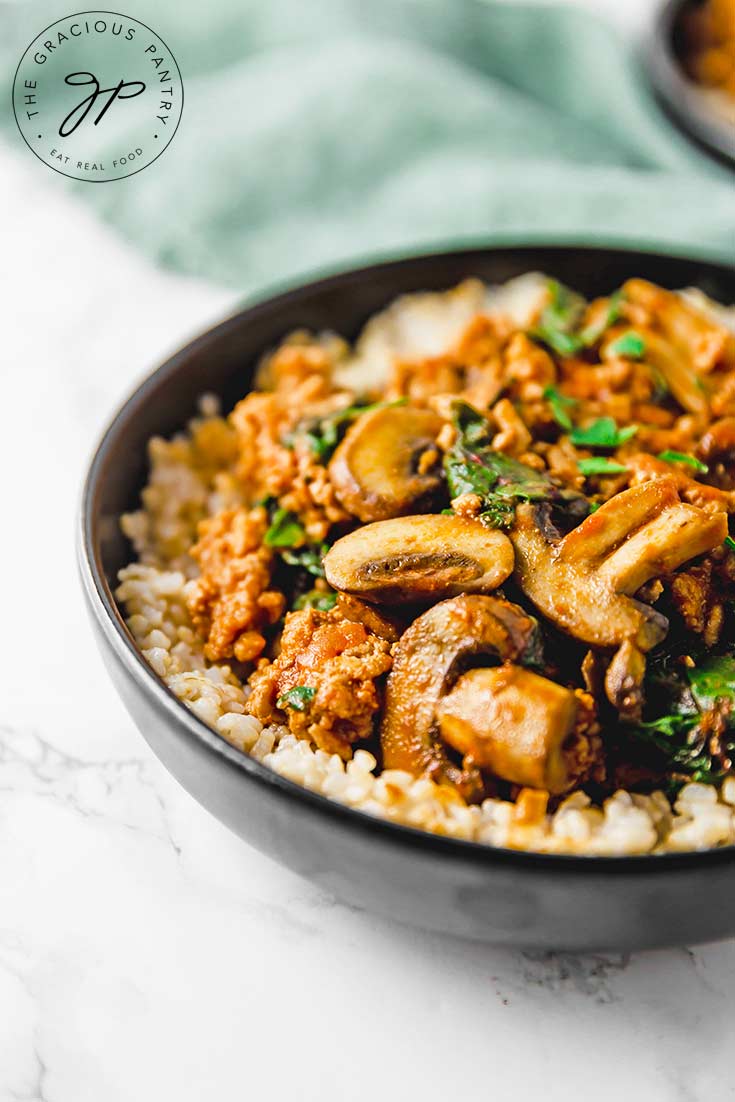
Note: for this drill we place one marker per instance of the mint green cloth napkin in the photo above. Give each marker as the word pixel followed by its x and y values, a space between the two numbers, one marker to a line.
pixel 316 132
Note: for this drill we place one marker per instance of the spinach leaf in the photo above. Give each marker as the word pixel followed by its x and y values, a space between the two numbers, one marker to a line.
pixel 631 345
pixel 599 465
pixel 309 558
pixel 320 599
pixel 560 405
pixel 678 736
pixel 682 747
pixel 713 680
pixel 284 531
pixel 682 457
pixel 323 434
pixel 591 333
pixel 297 698
pixel 558 326
pixel 472 466
pixel 559 318
pixel 287 536
pixel 603 433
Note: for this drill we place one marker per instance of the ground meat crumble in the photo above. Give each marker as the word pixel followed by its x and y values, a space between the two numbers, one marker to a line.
pixel 341 660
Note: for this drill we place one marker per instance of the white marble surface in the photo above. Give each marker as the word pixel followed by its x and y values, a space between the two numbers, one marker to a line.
pixel 146 955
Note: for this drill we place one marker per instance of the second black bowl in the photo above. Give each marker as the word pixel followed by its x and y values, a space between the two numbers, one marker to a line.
pixel 688 104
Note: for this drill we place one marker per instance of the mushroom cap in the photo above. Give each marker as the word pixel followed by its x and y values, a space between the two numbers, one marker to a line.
pixel 425 557
pixel 425 663
pixel 378 470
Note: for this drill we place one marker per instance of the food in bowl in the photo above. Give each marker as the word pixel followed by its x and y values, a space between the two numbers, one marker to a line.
pixel 473 574
pixel 706 46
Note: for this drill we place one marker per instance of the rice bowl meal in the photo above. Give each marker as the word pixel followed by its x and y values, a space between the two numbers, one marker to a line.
pixel 472 574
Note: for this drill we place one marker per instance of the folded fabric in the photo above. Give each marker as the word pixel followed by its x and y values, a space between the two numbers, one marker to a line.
pixel 318 133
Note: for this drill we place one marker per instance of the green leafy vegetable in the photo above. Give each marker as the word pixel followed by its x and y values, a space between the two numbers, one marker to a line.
pixel 680 738
pixel 324 434
pixel 631 345
pixel 472 466
pixel 603 433
pixel 730 543
pixel 560 405
pixel 591 333
pixel 309 558
pixel 660 385
pixel 713 680
pixel 558 326
pixel 285 530
pixel 316 598
pixel 287 536
pixel 559 319
pixel 297 698
pixel 598 465
pixel 682 457
pixel 676 738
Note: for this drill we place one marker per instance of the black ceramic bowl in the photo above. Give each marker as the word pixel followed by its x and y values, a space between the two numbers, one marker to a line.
pixel 687 103
pixel 475 891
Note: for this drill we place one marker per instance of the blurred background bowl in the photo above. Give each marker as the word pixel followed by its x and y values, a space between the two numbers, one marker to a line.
pixel 690 106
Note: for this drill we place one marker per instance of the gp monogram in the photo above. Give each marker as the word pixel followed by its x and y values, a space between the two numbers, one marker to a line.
pixel 98 96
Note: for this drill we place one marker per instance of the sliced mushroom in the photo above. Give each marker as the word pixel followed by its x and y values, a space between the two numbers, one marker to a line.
pixel 718 440
pixel 644 467
pixel 418 558
pixel 583 582
pixel 425 662
pixel 624 681
pixel 679 533
pixel 675 366
pixel 702 340
pixel 387 463
pixel 514 723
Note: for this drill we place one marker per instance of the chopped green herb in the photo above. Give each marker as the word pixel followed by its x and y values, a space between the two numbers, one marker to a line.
pixel 560 405
pixel 631 345
pixel 603 433
pixel 598 465
pixel 472 466
pixel 594 506
pixel 679 735
pixel 316 598
pixel 676 738
pixel 558 321
pixel 591 333
pixel 324 434
pixel 682 457
pixel 284 531
pixel 713 680
pixel 322 446
pixel 564 344
pixel 297 698
pixel 308 558
pixel 660 385
pixel 730 543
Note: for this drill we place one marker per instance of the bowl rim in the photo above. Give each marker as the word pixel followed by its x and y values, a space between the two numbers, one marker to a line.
pixel 682 98
pixel 109 618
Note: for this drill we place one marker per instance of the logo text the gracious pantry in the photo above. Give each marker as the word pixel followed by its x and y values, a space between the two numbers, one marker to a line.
pixel 98 96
